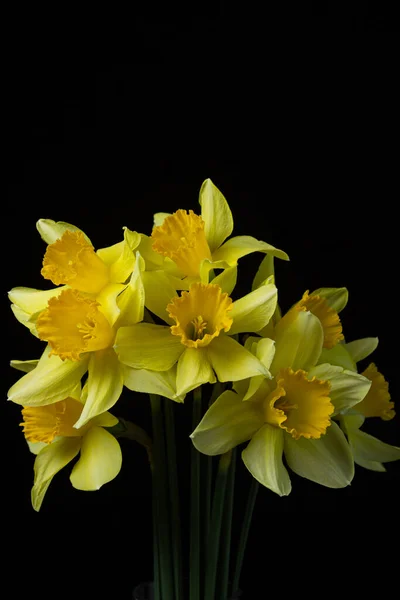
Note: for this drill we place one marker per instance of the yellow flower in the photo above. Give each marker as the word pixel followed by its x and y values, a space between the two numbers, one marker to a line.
pixel 192 246
pixel 80 332
pixel 290 414
pixel 50 433
pixel 70 260
pixel 199 341
pixel 377 403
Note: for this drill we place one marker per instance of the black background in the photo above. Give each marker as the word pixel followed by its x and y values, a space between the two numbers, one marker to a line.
pixel 304 146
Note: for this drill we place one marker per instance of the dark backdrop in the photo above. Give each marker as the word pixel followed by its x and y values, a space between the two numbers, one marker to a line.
pixel 305 151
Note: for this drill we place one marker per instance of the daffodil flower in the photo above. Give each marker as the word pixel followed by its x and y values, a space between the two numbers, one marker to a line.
pixel 290 414
pixel 71 261
pixel 80 332
pixel 199 341
pixel 368 451
pixel 51 435
pixel 194 245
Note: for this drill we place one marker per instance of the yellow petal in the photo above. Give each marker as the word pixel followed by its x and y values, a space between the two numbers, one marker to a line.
pixel 162 383
pixel 336 297
pixel 347 387
pixel 108 301
pixel 25 319
pixel 158 218
pixel 194 369
pixel 253 311
pixel 26 366
pixel 51 381
pixel 298 341
pixel 265 270
pixel 158 293
pixel 226 280
pixel 100 460
pixel 131 300
pixel 231 361
pixel 339 356
pixel 360 349
pixel 365 448
pixel 106 419
pixel 50 231
pixel 241 245
pixel 105 385
pixel 216 214
pixel 226 424
pixel 153 260
pixel 327 461
pixel 263 458
pixel 148 346
pixel 122 265
pixel 48 462
pixel 33 301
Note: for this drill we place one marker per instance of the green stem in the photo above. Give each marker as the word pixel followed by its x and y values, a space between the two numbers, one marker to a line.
pixel 162 513
pixel 216 522
pixel 194 574
pixel 245 532
pixel 227 529
pixel 174 498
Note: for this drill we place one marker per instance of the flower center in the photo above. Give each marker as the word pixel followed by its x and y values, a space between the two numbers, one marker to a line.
pixel 181 237
pixel 72 260
pixel 299 405
pixel 329 318
pixel 73 324
pixel 377 402
pixel 44 423
pixel 200 314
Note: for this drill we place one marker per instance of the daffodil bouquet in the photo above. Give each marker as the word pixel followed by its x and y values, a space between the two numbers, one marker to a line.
pixel 155 314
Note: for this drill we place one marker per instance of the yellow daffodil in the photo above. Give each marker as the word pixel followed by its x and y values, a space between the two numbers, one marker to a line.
pixel 51 435
pixel 194 245
pixel 198 342
pixel 80 332
pixel 71 261
pixel 369 452
pixel 291 413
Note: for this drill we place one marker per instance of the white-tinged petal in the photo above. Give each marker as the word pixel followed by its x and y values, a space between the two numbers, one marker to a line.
pixel 227 423
pixel 32 301
pixel 347 387
pixel 159 218
pixel 52 380
pixel 148 346
pixel 365 447
pixel 339 356
pixel 298 341
pixel 48 462
pixel 36 447
pixel 265 270
pixel 162 383
pixel 193 369
pixel 336 297
pixel 159 292
pixel 100 460
pixel 226 280
pixel 263 458
pixel 231 361
pixel 26 366
pixel 216 215
pixel 131 300
pixel 241 245
pixel 360 349
pixel 105 385
pixel 50 231
pixel 327 461
pixel 253 311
